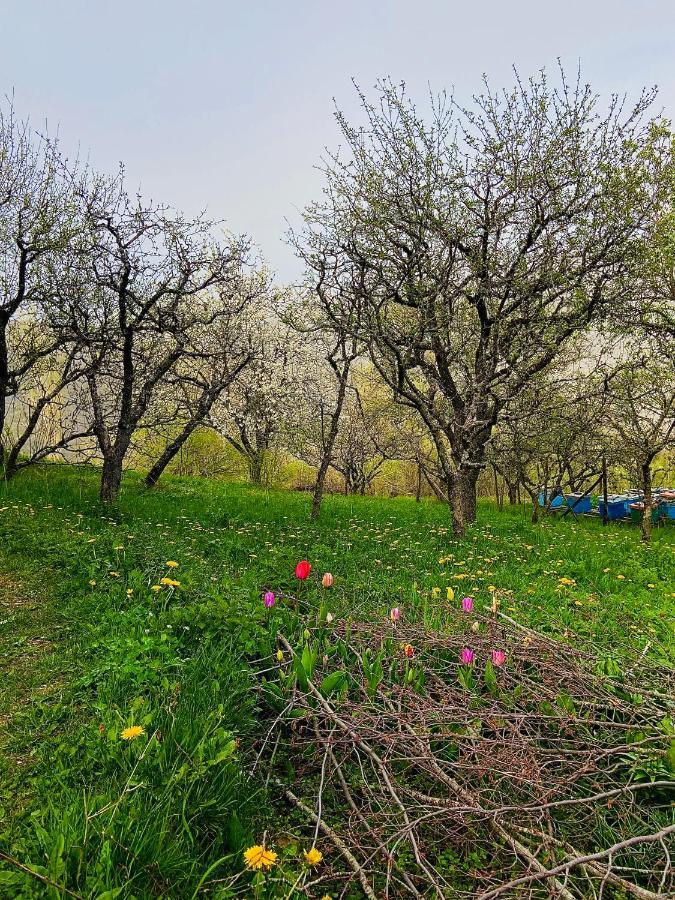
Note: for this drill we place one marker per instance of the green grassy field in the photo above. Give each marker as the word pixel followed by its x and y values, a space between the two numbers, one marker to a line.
pixel 90 645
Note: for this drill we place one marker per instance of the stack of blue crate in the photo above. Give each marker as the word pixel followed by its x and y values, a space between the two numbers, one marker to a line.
pixel 556 502
pixel 578 503
pixel 617 505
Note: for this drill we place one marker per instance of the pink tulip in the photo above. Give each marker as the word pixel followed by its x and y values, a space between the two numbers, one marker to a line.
pixel 467 604
pixel 269 599
pixel 498 658
pixel 395 614
pixel 327 580
pixel 467 656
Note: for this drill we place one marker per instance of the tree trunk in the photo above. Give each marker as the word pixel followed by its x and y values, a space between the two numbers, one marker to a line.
pixel 463 499
pixel 513 493
pixel 4 385
pixel 255 467
pixel 646 524
pixel 327 454
pixel 170 452
pixel 534 497
pixel 418 486
pixel 111 477
pixel 498 497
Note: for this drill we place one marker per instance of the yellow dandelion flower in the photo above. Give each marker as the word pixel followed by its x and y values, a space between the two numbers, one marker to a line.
pixel 171 563
pixel 313 857
pixel 169 582
pixel 567 581
pixel 132 732
pixel 92 583
pixel 620 577
pixel 258 857
pixel 156 587
pixel 114 574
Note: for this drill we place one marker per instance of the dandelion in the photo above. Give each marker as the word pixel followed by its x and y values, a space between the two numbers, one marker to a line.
pixel 313 857
pixel 467 656
pixel 169 582
pixel 409 651
pixel 567 581
pixel 467 604
pixel 258 857
pixel 303 569
pixel 327 580
pixel 156 587
pixel 435 593
pixel 171 564
pixel 92 583
pixel 395 614
pixel 450 595
pixel 498 658
pixel 132 732
pixel 269 599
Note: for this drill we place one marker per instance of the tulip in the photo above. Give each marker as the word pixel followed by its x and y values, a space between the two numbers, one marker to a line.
pixel 475 627
pixel 303 569
pixel 269 599
pixel 409 651
pixel 450 595
pixel 467 604
pixel 498 658
pixel 280 655
pixel 327 580
pixel 329 617
pixel 395 614
pixel 467 656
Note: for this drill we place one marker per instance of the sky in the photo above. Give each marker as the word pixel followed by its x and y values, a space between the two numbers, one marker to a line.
pixel 227 106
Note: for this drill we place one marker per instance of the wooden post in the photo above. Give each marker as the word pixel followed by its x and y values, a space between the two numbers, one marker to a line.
pixel 605 515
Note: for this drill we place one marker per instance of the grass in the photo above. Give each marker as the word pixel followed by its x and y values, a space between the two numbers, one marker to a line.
pixel 88 648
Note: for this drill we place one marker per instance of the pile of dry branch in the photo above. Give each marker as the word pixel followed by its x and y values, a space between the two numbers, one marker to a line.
pixel 539 778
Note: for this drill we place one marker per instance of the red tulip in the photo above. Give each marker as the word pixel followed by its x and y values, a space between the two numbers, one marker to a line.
pixel 303 569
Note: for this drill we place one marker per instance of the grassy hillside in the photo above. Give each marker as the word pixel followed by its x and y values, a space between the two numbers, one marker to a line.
pixel 94 638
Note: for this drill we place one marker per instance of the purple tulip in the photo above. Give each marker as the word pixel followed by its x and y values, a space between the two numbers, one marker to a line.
pixel 467 656
pixel 467 604
pixel 269 599
pixel 395 614
pixel 498 658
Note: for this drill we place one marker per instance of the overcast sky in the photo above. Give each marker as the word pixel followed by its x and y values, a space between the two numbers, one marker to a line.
pixel 227 105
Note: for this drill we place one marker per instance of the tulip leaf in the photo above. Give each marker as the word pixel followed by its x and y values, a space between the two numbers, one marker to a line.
pixel 333 683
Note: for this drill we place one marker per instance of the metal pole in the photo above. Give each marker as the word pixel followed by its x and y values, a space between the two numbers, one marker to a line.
pixel 605 514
